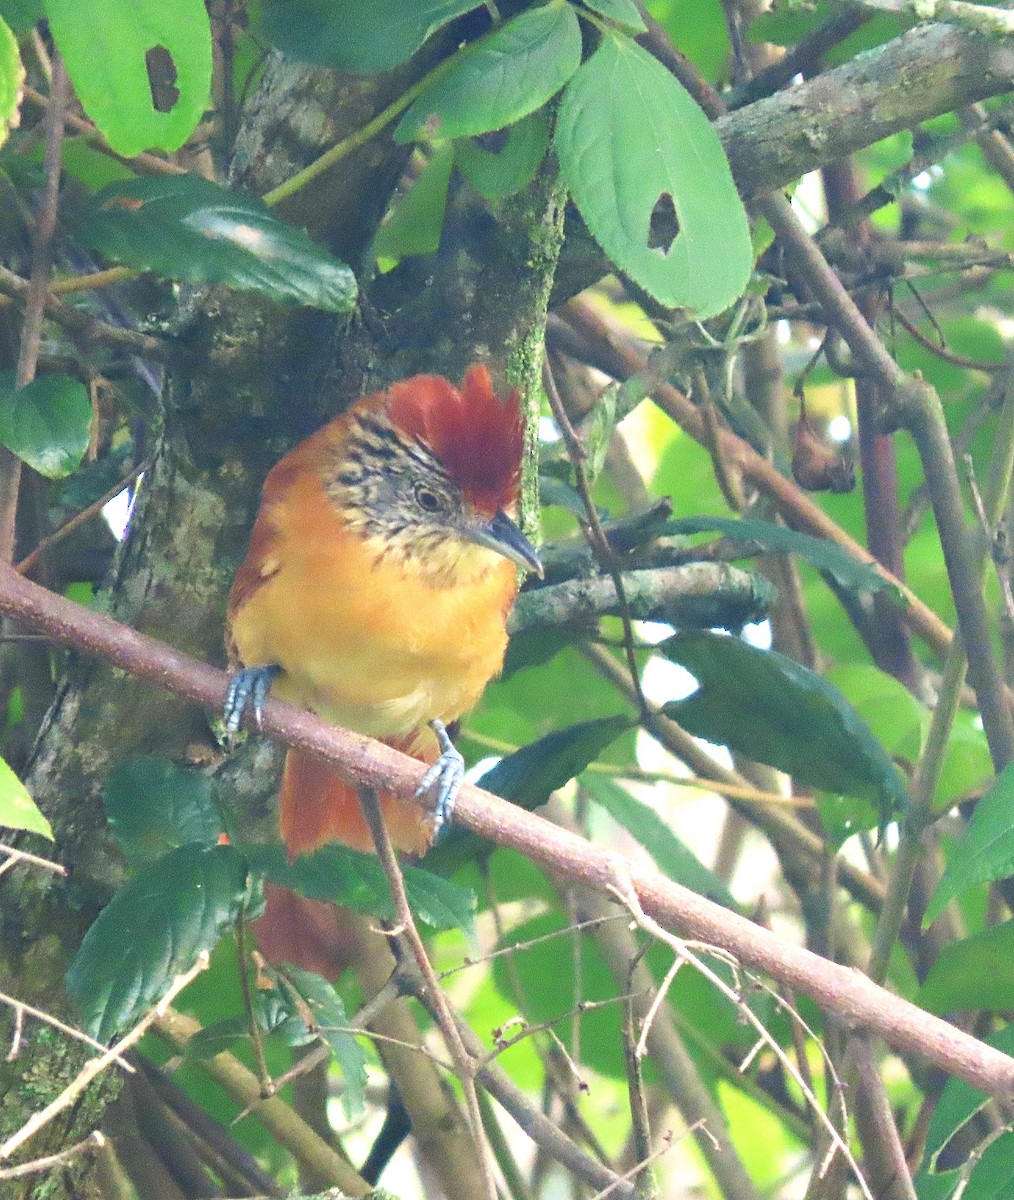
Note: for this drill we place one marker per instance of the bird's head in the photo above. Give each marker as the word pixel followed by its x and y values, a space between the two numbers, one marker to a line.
pixel 431 474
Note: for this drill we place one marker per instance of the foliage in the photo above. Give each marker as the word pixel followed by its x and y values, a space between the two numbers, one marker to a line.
pixel 200 319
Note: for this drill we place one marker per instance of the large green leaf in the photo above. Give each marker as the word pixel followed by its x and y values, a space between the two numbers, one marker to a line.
pixel 185 227
pixel 501 78
pixel 47 423
pixel 986 852
pixel 673 856
pixel 825 556
pixel 331 1023
pixel 502 172
pixel 631 140
pixel 12 76
pixel 152 930
pixel 153 806
pixel 141 68
pixel 352 36
pixel 775 711
pixel 975 972
pixel 17 808
pixel 357 881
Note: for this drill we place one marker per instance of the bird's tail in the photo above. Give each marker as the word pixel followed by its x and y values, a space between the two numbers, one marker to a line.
pixel 317 807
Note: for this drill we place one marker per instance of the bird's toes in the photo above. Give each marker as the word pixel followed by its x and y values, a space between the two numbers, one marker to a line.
pixel 248 688
pixel 443 779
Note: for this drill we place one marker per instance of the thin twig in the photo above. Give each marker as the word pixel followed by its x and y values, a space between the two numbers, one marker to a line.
pixel 40 1015
pixel 96 1066
pixel 95 1140
pixel 17 855
pixel 438 1002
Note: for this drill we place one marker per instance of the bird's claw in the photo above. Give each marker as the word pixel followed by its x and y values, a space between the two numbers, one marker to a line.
pixel 248 688
pixel 444 778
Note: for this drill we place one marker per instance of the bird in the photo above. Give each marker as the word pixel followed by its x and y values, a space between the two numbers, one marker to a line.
pixel 375 592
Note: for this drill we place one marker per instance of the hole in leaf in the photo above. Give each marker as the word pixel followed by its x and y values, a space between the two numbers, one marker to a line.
pixel 162 79
pixel 494 141
pixel 664 227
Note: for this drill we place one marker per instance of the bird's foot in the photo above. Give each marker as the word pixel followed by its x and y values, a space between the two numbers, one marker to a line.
pixel 444 778
pixel 248 688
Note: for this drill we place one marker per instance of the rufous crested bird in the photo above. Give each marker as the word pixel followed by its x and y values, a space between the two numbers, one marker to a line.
pixel 375 592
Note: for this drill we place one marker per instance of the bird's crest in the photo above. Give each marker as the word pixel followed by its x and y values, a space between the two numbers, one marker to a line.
pixel 477 437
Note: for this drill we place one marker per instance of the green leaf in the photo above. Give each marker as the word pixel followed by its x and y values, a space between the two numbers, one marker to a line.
pixel 975 972
pixel 21 15
pixel 46 424
pixel 17 808
pixel 825 556
pixel 152 930
pixel 357 881
pixel 12 77
pixel 631 141
pixel 672 856
pixel 529 776
pixel 416 220
pixel 331 1023
pixel 775 711
pixel 623 12
pixel 986 852
pixel 501 78
pixel 141 68
pixel 352 36
pixel 185 227
pixel 499 173
pixel 153 806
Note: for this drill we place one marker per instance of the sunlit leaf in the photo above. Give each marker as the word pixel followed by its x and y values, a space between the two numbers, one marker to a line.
pixel 152 930
pixel 500 79
pixel 12 77
pixel 17 808
pixel 185 227
pixel 141 68
pixel 47 424
pixel 633 144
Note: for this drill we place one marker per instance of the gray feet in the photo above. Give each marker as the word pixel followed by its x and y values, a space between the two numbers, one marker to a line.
pixel 248 688
pixel 443 779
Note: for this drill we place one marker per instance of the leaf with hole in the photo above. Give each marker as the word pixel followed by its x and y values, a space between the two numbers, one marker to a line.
pixel 17 808
pixel 349 35
pixel 185 227
pixel 634 150
pixel 153 805
pixel 152 930
pixel 775 711
pixel 499 79
pixel 357 881
pixel 47 424
pixel 141 68
pixel 986 852
pixel 315 1001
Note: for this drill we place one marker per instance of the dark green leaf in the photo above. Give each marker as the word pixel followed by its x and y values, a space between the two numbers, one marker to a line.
pixel 633 144
pixel 986 852
pixel 153 806
pixel 47 423
pixel 331 1023
pixel 825 556
pixel 21 15
pixel 185 227
pixel 775 711
pixel 352 36
pixel 976 972
pixel 672 856
pixel 12 76
pixel 503 77
pixel 500 173
pixel 152 930
pixel 414 224
pixel 141 68
pixel 623 12
pixel 17 808
pixel 530 775
pixel 357 881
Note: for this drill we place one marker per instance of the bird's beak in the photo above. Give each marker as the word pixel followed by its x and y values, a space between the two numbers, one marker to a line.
pixel 501 534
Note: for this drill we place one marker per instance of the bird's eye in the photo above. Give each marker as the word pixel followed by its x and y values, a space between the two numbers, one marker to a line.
pixel 427 499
